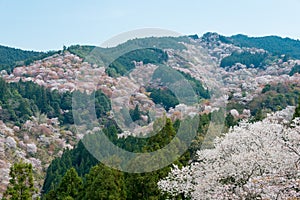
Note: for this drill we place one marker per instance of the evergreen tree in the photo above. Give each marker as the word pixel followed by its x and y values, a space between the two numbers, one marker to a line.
pixel 297 111
pixel 230 121
pixel 135 114
pixel 143 186
pixel 21 185
pixel 104 183
pixel 70 185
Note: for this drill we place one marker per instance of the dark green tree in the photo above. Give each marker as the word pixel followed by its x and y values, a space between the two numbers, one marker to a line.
pixel 69 187
pixel 297 111
pixel 143 186
pixel 135 114
pixel 294 70
pixel 266 88
pixel 104 183
pixel 21 186
pixel 230 121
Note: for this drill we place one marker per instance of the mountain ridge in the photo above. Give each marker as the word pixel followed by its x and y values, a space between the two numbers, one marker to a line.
pixel 11 57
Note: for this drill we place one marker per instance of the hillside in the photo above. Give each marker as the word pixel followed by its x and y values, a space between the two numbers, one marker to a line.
pixel 12 57
pixel 273 44
pixel 100 56
pixel 145 94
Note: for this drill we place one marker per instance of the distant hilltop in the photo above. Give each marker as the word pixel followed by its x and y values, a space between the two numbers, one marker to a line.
pixel 11 57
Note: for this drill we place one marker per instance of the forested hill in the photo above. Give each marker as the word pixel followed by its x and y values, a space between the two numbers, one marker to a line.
pixel 11 57
pixel 143 92
pixel 273 44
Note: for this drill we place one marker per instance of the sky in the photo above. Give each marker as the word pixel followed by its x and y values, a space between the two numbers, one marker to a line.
pixel 48 25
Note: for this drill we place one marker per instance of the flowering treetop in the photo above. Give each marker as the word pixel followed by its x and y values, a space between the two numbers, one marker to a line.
pixel 252 161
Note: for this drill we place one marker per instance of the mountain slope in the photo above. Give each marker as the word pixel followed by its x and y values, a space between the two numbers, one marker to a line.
pixel 273 44
pixel 252 85
pixel 99 55
pixel 11 57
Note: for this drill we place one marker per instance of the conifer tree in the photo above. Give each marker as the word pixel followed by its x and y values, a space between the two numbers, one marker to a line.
pixel 297 111
pixel 70 185
pixel 21 186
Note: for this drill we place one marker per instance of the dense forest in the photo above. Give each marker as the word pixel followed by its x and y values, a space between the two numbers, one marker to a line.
pixel 274 44
pixel 164 97
pixel 20 101
pixel 165 90
pixel 11 57
pixel 100 55
pixel 97 181
pixel 124 63
pixel 254 60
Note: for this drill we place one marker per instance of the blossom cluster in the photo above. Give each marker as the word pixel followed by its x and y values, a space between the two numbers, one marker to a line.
pixel 258 160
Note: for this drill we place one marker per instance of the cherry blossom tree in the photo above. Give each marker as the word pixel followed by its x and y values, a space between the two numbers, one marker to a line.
pixel 252 161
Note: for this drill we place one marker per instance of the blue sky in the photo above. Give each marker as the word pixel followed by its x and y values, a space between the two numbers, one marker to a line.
pixel 45 25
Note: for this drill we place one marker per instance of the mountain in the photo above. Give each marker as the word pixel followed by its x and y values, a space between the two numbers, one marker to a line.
pixel 145 90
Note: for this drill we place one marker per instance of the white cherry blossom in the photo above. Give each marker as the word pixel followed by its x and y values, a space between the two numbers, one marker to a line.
pixel 258 160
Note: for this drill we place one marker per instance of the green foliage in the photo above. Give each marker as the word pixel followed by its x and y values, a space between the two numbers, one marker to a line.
pixel 204 122
pixel 273 98
pixel 297 111
pixel 124 60
pixel 144 186
pixel 91 54
pixel 79 158
pixel 294 70
pixel 21 186
pixel 135 114
pixel 197 86
pixel 102 182
pixel 163 133
pixel 107 56
pixel 194 37
pixel 165 78
pixel 81 51
pixel 249 59
pixel 102 103
pixel 22 100
pixel 11 57
pixel 81 102
pixel 69 187
pixel 158 42
pixel 124 63
pixel 206 37
pixel 273 44
pixel 230 121
pixel 258 116
pixel 164 97
pixel 164 136
pixel 266 88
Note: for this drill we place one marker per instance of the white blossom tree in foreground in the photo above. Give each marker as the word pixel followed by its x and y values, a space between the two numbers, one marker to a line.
pixel 253 161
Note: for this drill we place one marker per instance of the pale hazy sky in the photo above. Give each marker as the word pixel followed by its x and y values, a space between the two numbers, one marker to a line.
pixel 45 25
